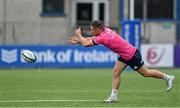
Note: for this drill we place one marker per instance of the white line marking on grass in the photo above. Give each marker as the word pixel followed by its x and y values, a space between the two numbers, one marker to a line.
pixel 11 101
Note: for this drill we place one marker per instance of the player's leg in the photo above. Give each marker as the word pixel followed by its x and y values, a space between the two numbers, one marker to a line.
pixel 151 72
pixel 157 74
pixel 116 80
pixel 137 64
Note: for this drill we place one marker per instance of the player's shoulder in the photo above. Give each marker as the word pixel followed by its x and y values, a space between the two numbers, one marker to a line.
pixel 107 29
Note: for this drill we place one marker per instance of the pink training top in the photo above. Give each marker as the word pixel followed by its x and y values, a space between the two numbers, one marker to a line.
pixel 116 43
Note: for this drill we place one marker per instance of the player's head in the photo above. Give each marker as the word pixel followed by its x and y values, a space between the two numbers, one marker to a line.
pixel 96 27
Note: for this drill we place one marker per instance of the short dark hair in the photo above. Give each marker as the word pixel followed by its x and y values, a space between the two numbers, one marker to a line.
pixel 97 24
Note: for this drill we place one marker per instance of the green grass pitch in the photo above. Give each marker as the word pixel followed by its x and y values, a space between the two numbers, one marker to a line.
pixel 83 88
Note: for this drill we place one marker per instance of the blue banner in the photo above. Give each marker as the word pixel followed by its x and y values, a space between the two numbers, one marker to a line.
pixel 131 32
pixel 66 56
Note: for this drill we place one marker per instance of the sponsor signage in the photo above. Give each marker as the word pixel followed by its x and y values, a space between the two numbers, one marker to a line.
pixel 68 56
pixel 58 56
pixel 131 32
pixel 157 55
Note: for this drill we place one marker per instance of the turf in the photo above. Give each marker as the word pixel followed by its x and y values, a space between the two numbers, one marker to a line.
pixel 83 84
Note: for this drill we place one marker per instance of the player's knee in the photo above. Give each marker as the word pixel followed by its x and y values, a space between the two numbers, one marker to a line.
pixel 146 74
pixel 116 73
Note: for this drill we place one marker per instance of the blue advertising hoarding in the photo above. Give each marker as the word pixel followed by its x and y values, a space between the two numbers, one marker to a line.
pixel 131 32
pixel 57 56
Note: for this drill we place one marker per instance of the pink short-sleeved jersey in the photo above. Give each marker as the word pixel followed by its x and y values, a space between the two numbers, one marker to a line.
pixel 116 43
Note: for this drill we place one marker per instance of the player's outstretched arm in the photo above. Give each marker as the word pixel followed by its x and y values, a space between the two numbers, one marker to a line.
pixel 84 41
pixel 73 40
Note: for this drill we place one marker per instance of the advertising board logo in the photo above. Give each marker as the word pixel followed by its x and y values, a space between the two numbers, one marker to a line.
pixel 127 32
pixel 154 55
pixel 9 56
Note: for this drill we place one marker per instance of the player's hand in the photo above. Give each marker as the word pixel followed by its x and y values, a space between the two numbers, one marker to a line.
pixel 78 32
pixel 73 40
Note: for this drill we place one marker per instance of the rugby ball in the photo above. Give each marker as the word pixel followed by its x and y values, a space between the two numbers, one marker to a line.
pixel 29 56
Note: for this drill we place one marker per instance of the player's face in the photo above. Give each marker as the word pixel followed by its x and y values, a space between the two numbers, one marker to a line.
pixel 95 31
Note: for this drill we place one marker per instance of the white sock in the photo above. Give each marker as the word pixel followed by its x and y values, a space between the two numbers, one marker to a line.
pixel 166 77
pixel 114 93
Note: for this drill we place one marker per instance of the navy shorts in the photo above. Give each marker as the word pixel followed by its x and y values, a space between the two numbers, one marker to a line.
pixel 135 62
